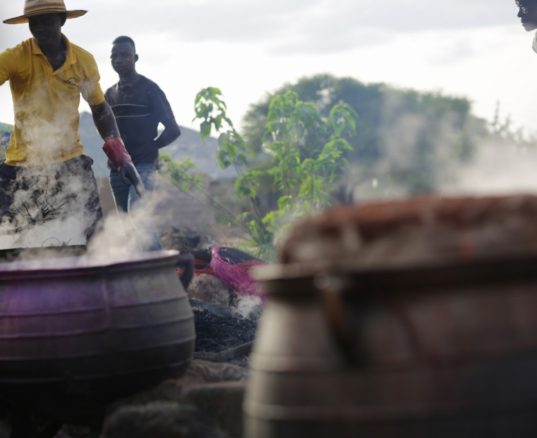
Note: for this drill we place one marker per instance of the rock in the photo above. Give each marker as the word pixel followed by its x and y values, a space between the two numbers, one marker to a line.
pixel 198 373
pixel 164 391
pixel 201 371
pixel 209 392
pixel 160 420
pixel 209 289
pixel 220 401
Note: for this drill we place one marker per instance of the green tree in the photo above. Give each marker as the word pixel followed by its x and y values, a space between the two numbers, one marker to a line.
pixel 180 173
pixel 300 157
pixel 404 139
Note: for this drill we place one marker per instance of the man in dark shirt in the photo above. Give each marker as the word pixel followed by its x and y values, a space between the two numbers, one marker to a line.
pixel 139 106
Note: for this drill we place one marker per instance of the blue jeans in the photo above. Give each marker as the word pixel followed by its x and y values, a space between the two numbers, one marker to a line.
pixel 126 196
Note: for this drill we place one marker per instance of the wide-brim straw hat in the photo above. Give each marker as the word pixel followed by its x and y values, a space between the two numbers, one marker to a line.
pixel 40 7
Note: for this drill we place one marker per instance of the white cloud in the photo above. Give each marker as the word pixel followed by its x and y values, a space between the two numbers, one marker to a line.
pixel 311 21
pixel 250 47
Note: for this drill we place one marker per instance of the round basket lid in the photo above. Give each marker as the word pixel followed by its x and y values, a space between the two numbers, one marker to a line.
pixel 416 231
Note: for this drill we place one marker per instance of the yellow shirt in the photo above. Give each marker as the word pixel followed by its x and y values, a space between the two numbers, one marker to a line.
pixel 46 102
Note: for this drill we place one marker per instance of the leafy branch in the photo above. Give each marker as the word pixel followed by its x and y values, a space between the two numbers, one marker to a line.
pixel 303 154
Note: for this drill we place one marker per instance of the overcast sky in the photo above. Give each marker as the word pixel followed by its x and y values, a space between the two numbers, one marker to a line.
pixel 475 49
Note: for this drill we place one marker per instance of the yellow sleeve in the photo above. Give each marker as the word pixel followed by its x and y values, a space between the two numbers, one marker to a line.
pixel 91 89
pixel 8 59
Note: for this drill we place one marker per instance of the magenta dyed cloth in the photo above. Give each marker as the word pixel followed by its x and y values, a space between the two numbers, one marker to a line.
pixel 232 267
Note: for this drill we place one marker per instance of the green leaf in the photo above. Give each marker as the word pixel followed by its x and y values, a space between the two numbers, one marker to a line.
pixel 303 154
pixel 205 129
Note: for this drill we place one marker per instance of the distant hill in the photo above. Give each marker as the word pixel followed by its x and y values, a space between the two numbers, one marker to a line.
pixel 188 145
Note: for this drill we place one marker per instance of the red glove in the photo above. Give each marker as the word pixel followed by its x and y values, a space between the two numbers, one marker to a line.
pixel 115 150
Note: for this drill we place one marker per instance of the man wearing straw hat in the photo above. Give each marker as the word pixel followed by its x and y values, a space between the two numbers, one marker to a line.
pixel 47 186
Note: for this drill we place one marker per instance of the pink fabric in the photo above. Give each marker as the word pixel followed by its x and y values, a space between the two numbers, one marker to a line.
pixel 236 276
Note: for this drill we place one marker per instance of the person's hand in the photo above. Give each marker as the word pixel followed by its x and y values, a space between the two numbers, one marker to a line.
pixel 130 175
pixel 119 157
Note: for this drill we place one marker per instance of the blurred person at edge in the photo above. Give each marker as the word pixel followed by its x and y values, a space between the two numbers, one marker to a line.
pixel 527 12
pixel 45 163
pixel 139 106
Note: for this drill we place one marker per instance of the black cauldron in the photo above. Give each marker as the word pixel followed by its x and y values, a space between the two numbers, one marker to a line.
pixel 79 332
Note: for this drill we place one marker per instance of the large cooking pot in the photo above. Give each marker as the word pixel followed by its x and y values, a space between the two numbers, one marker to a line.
pixel 389 345
pixel 79 332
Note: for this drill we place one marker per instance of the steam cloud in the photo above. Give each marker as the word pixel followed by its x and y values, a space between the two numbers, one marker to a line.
pixel 124 235
pixel 499 167
pixel 161 210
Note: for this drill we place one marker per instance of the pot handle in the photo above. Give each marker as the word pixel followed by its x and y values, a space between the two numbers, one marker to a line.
pixel 340 323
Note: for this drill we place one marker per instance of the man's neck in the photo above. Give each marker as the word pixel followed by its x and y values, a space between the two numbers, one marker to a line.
pixel 52 49
pixel 129 78
pixel 55 52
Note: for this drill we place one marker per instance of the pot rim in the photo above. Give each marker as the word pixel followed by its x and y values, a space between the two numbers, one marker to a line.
pixel 84 264
pixel 499 268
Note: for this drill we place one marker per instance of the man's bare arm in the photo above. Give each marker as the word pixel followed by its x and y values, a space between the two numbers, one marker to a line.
pixel 104 120
pixel 170 133
pixel 114 148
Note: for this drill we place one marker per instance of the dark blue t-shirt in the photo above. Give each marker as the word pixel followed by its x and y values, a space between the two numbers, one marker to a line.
pixel 139 109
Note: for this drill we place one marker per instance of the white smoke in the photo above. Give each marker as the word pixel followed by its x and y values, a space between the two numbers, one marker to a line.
pixel 499 167
pixel 46 134
pixel 126 234
pixel 247 306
